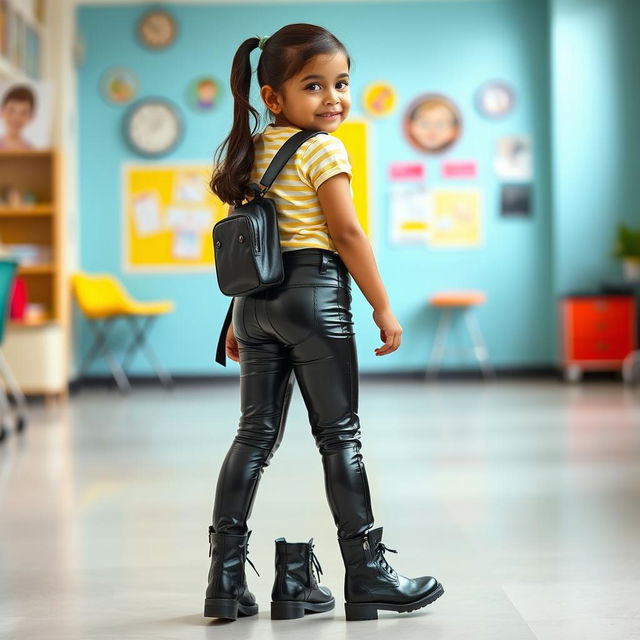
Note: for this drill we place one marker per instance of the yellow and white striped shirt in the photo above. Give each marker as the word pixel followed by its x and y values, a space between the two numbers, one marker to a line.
pixel 301 222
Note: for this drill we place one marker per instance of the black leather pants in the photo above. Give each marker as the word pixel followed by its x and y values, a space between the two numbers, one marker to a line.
pixel 301 328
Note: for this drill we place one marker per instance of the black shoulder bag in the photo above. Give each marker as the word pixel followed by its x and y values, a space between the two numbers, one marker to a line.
pixel 246 243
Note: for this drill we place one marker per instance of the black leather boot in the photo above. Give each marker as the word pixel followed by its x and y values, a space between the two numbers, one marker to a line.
pixel 370 583
pixel 227 592
pixel 295 588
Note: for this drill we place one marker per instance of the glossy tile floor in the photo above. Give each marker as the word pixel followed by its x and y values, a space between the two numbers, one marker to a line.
pixel 521 497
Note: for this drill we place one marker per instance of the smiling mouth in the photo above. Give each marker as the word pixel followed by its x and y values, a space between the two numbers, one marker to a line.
pixel 330 113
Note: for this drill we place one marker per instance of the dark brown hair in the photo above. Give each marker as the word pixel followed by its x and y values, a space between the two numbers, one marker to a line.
pixel 20 93
pixel 284 54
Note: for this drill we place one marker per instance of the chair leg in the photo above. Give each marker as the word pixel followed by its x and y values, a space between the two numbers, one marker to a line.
pixel 94 351
pixel 12 384
pixel 5 413
pixel 438 349
pixel 101 347
pixel 628 366
pixel 479 346
pixel 139 341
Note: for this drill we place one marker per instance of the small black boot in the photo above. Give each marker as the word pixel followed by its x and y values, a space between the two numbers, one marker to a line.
pixel 227 592
pixel 370 583
pixel 295 588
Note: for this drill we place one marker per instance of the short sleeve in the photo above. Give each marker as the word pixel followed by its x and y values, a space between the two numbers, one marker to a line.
pixel 326 156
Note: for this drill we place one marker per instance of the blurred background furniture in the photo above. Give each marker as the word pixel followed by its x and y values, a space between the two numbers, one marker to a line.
pixel 10 390
pixel 631 364
pixel 37 344
pixel 597 332
pixel 461 303
pixel 103 299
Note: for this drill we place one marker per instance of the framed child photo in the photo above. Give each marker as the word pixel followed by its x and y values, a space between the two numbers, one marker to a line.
pixel 25 115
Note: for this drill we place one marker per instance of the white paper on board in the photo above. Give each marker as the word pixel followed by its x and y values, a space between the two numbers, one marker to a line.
pixel 146 212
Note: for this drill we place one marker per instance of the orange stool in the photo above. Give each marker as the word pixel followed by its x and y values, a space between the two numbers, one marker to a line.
pixel 449 302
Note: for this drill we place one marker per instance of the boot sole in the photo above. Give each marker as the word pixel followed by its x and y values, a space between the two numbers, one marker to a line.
pixel 227 608
pixel 290 609
pixel 369 610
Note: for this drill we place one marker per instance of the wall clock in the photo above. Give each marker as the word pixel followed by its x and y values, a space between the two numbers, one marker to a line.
pixel 494 99
pixel 152 126
pixel 157 29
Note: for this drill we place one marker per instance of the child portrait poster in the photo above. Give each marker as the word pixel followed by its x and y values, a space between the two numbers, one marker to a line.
pixel 25 115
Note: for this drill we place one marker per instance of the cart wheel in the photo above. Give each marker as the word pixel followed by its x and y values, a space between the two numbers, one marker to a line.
pixel 21 422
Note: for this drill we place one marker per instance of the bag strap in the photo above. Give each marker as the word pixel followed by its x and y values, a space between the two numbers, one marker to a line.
pixel 281 158
pixel 221 351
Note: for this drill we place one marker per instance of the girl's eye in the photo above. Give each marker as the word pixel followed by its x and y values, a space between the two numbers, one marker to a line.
pixel 315 84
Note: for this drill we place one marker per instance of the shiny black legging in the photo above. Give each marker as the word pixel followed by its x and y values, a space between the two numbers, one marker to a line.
pixel 302 327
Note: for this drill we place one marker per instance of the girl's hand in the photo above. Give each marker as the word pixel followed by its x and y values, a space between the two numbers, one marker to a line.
pixel 231 345
pixel 390 331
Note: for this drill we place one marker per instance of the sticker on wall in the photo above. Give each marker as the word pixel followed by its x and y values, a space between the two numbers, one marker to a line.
pixel 460 169
pixel 410 210
pixel 407 171
pixel 119 85
pixel 203 93
pixel 494 99
pixel 432 123
pixel 514 158
pixel 379 99
pixel 516 200
pixel 456 218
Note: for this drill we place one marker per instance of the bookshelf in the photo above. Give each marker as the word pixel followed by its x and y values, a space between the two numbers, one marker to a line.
pixel 37 347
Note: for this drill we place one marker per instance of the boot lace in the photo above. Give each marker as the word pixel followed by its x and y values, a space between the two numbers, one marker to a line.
pixel 245 548
pixel 246 553
pixel 315 563
pixel 379 555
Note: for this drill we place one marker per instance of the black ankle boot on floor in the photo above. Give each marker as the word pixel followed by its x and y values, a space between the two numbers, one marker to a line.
pixel 295 588
pixel 370 583
pixel 228 595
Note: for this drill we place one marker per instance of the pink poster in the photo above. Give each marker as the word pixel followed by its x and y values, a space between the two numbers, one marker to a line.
pixel 407 171
pixel 459 169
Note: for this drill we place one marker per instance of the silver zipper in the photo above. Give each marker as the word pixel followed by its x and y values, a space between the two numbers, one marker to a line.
pixel 256 236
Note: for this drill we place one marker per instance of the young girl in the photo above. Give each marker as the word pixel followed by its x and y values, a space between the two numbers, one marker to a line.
pixel 304 327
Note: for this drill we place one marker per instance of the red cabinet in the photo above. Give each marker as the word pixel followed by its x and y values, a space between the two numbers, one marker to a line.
pixel 598 332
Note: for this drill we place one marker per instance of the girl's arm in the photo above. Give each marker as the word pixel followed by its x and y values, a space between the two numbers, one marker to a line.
pixel 350 239
pixel 356 253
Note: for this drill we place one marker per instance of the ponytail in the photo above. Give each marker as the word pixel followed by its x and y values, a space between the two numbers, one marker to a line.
pixel 230 178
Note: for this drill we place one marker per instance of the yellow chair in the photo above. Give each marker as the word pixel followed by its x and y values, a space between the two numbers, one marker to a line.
pixel 102 297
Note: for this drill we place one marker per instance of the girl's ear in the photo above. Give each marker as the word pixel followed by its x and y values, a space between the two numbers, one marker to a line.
pixel 270 98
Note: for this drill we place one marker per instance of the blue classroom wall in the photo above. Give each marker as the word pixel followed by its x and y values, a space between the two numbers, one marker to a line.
pixel 447 47
pixel 596 134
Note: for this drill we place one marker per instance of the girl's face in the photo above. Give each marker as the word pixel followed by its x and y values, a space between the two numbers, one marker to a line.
pixel 322 86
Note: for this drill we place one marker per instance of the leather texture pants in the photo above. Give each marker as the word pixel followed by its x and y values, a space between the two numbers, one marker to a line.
pixel 302 330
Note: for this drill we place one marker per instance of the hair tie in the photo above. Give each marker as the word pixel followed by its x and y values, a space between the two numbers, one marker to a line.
pixel 263 39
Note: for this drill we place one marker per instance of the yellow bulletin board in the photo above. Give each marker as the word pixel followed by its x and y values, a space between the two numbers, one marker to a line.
pixel 354 134
pixel 457 218
pixel 169 210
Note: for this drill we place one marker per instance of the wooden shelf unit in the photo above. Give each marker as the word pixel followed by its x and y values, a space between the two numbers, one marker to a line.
pixel 37 372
